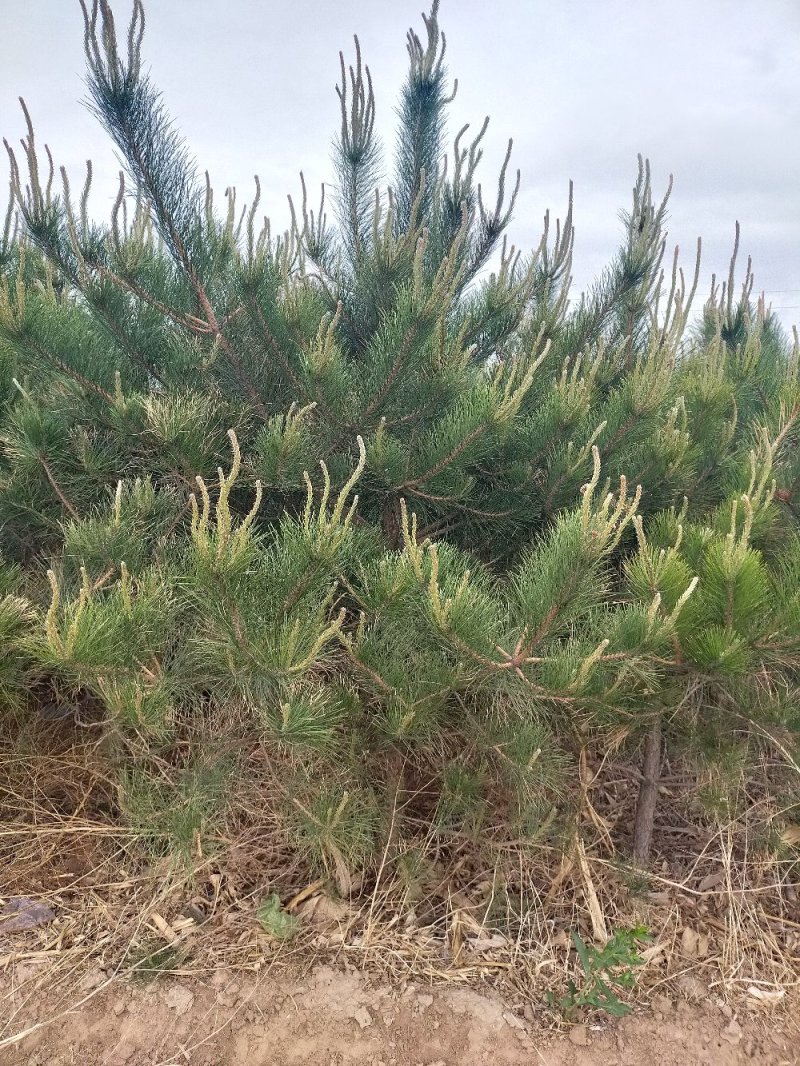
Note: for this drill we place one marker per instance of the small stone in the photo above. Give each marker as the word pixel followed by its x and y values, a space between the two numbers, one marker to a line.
pixel 511 1019
pixel 732 1032
pixel 179 998
pixel 22 912
pixel 119 1007
pixel 362 1016
pixel 529 1013
pixel 93 979
pixel 662 1004
pixel 228 997
pixel 579 1036
pixel 424 1000
pixel 121 1054
pixel 692 988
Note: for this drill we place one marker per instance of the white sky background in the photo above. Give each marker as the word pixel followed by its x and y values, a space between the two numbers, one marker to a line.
pixel 707 89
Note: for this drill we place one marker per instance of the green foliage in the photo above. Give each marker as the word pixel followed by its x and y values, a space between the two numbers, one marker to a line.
pixel 16 618
pixel 150 962
pixel 276 921
pixel 380 518
pixel 336 826
pixel 172 815
pixel 607 971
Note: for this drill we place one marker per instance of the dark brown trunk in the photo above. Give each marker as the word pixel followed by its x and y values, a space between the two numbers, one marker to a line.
pixel 390 520
pixel 648 795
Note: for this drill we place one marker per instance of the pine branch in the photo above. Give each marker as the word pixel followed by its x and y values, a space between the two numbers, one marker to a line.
pixel 421 113
pixel 357 156
pixel 57 489
pixel 131 110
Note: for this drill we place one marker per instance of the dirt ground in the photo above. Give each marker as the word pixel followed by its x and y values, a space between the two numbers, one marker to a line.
pixel 331 1017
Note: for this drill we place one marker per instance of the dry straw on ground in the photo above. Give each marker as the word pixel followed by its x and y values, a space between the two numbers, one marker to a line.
pixel 721 908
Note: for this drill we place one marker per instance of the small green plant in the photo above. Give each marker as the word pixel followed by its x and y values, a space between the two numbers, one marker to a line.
pixel 149 962
pixel 635 881
pixel 275 920
pixel 605 971
pixel 173 816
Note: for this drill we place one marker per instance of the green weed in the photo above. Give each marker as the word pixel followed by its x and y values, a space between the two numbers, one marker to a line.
pixel 606 972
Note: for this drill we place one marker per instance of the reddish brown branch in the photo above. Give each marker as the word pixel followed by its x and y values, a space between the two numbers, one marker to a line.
pixel 57 490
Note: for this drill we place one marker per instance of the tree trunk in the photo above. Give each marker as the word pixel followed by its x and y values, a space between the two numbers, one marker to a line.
pixel 390 520
pixel 648 795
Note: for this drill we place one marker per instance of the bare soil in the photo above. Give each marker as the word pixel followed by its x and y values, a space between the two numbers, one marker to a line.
pixel 331 1016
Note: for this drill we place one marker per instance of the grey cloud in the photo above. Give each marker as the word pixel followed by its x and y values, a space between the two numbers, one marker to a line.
pixel 711 92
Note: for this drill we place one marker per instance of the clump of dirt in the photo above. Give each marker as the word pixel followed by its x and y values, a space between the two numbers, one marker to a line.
pixel 332 1017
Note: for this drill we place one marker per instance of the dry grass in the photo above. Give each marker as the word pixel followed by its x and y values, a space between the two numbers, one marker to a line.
pixel 721 905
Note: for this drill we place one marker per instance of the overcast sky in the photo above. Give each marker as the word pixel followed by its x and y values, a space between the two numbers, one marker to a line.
pixel 709 90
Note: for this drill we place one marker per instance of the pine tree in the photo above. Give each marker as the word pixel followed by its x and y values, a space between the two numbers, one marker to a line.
pixel 380 486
